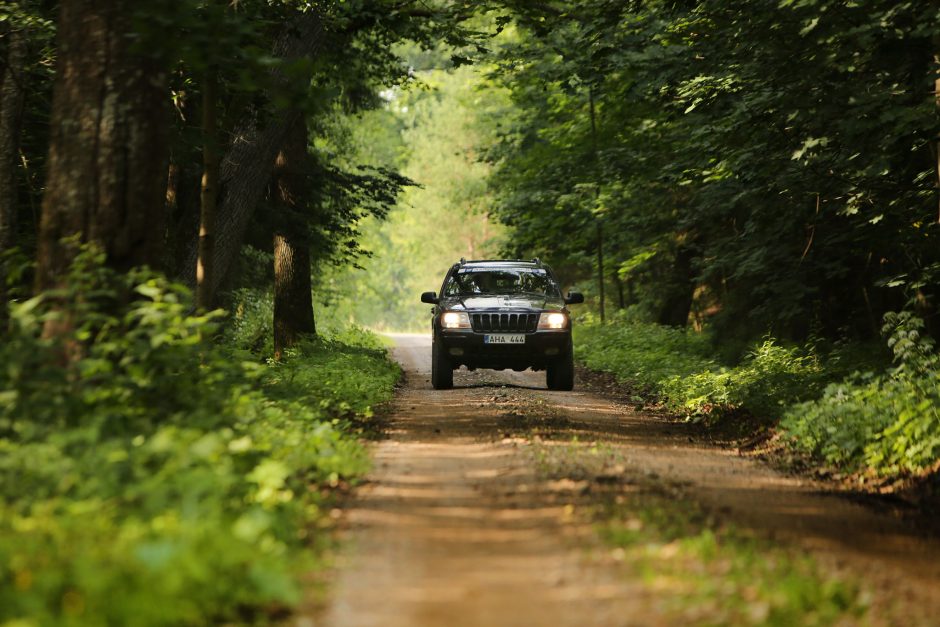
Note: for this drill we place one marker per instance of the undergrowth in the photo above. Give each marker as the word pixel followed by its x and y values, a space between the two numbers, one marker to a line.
pixel 676 368
pixel 842 407
pixel 885 424
pixel 150 475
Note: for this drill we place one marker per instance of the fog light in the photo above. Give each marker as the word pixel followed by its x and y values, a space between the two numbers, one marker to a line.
pixel 456 352
pixel 551 351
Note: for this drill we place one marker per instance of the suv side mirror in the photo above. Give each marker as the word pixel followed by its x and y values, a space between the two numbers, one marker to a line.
pixel 574 298
pixel 431 298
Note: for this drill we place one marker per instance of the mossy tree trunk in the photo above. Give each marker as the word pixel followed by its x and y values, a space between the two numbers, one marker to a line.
pixel 293 299
pixel 108 155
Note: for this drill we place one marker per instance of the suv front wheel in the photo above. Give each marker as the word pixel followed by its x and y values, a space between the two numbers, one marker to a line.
pixel 560 373
pixel 442 372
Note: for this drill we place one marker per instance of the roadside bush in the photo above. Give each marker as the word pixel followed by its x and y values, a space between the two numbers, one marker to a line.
pixel 150 476
pixel 770 378
pixel 249 327
pixel 643 354
pixel 674 366
pixel 887 423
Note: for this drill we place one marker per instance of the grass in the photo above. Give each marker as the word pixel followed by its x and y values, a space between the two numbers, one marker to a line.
pixel 700 570
pixel 845 409
pixel 676 367
pixel 714 574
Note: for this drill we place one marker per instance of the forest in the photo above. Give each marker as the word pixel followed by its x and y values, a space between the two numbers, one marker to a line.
pixel 211 209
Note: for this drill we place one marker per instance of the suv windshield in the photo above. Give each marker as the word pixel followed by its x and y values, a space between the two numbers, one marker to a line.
pixel 471 281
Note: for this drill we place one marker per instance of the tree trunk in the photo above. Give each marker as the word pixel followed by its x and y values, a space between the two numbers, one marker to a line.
pixel 11 116
pixel 621 301
pixel 936 83
pixel 182 213
pixel 248 165
pixel 680 290
pixel 293 300
pixel 600 268
pixel 597 194
pixel 108 155
pixel 209 192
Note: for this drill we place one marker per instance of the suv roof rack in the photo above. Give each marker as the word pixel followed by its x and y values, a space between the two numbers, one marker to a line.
pixel 535 261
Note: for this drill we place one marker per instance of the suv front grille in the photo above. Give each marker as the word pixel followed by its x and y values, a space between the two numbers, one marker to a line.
pixel 505 322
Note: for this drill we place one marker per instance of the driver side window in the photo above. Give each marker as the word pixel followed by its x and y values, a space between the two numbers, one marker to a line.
pixel 452 287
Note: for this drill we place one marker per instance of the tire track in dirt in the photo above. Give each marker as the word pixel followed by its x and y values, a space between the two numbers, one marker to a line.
pixel 455 528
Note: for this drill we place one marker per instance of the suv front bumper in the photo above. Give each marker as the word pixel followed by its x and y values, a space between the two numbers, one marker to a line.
pixel 469 348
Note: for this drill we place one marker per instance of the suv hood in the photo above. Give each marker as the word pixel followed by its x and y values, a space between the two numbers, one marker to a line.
pixel 509 301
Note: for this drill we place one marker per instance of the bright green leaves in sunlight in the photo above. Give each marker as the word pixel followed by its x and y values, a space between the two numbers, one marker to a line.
pixel 437 135
pixel 160 477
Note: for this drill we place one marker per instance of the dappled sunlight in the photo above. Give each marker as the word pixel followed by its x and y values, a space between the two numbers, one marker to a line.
pixel 704 234
pixel 491 483
pixel 455 524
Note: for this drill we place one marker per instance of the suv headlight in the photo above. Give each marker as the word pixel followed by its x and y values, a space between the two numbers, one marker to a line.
pixel 553 320
pixel 455 320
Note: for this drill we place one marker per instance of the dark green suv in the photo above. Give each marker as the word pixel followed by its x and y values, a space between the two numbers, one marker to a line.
pixel 501 314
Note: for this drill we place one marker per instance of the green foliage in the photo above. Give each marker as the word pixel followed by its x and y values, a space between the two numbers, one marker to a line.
pixel 736 578
pixel 768 379
pixel 250 327
pixel 728 156
pixel 647 355
pixel 674 366
pixel 888 424
pixel 435 134
pixel 150 476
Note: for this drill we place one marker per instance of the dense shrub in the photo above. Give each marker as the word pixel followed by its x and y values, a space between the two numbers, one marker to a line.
pixel 249 327
pixel 158 477
pixel 768 379
pixel 674 366
pixel 644 354
pixel 887 423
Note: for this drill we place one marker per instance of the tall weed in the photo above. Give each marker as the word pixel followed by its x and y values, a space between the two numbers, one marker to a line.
pixel 643 354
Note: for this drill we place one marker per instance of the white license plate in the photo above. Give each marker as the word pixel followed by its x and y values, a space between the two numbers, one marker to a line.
pixel 505 338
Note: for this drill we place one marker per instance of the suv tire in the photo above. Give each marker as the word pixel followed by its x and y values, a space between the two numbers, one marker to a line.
pixel 442 373
pixel 560 374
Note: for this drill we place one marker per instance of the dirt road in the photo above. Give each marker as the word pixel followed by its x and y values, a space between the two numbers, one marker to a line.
pixel 456 526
